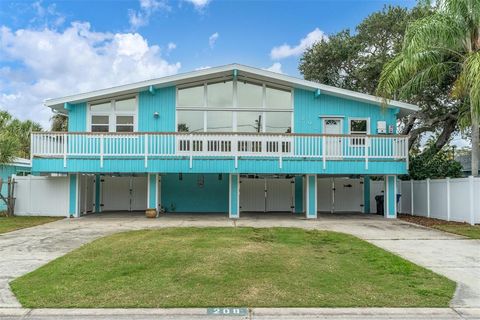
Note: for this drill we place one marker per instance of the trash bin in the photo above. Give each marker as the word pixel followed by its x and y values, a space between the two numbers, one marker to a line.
pixel 379 200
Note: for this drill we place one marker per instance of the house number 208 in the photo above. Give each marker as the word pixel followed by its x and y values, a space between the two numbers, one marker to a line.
pixel 228 311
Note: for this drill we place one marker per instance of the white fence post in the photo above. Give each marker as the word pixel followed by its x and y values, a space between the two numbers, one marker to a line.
pixel 428 197
pixel 411 197
pixel 448 199
pixel 472 212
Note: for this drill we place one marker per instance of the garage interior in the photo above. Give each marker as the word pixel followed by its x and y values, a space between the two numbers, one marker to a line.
pixel 208 193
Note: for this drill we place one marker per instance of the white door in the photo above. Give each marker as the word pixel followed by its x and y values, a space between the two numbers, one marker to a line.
pixel 333 145
pixel 124 193
pixel 252 195
pixel 139 193
pixel 348 195
pixel 116 193
pixel 279 195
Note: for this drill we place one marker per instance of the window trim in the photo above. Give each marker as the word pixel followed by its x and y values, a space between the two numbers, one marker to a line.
pixel 112 114
pixel 357 142
pixel 358 118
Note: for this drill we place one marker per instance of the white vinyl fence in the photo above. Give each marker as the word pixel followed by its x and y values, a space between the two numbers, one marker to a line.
pixel 41 196
pixel 446 199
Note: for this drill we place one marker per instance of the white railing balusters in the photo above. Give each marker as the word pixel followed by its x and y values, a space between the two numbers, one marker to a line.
pixel 234 145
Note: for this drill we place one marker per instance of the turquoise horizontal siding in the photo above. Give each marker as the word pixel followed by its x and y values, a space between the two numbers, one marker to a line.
pixel 215 165
pixel 308 109
pixel 195 193
pixel 163 102
pixel 77 117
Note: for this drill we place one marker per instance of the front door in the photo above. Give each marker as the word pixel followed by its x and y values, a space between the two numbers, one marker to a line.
pixel 333 144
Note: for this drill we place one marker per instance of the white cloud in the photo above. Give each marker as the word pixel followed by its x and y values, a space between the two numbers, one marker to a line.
pixel 75 60
pixel 285 50
pixel 140 18
pixel 202 68
pixel 199 4
pixel 213 39
pixel 275 67
pixel 47 15
pixel 171 46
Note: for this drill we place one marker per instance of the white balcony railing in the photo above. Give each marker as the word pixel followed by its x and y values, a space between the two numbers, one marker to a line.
pixel 232 145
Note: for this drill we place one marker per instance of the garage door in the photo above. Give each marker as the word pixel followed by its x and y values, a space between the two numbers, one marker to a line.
pixel 124 193
pixel 266 195
pixel 339 194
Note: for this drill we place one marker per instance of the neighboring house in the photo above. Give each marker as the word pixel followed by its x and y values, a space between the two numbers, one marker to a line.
pixel 466 162
pixel 19 167
pixel 226 139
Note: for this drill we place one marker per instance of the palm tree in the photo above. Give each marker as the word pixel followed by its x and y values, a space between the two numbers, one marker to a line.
pixel 444 46
pixel 59 122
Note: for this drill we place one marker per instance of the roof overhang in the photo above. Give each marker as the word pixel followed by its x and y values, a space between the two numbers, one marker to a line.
pixel 61 104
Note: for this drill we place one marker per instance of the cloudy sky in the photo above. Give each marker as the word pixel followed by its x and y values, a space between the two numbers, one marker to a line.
pixel 49 49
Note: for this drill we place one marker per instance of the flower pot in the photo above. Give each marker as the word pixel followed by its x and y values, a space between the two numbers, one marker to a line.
pixel 151 213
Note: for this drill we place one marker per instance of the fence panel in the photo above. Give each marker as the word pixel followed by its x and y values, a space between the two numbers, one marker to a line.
pixel 420 201
pixel 438 199
pixel 459 200
pixel 406 199
pixel 41 196
pixel 450 199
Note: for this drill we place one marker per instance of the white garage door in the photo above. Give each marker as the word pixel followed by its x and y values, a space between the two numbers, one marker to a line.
pixel 339 194
pixel 279 195
pixel 252 195
pixel 266 195
pixel 124 193
pixel 348 195
pixel 324 194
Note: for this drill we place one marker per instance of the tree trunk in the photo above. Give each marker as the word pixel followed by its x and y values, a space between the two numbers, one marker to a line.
pixel 475 142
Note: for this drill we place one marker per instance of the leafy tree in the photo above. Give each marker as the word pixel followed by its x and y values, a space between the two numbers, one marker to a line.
pixel 15 137
pixel 434 165
pixel 355 62
pixel 443 47
pixel 59 122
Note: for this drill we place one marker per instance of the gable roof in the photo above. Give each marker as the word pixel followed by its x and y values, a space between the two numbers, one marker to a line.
pixel 57 104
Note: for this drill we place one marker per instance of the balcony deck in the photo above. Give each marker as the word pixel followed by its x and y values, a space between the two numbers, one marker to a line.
pixel 234 148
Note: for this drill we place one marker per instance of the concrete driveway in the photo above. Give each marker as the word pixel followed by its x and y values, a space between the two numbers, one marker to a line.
pixel 457 258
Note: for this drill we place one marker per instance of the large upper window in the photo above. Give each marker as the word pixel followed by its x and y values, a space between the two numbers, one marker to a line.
pixel 249 95
pixel 113 115
pixel 234 106
pixel 278 99
pixel 190 121
pixel 220 95
pixel 191 97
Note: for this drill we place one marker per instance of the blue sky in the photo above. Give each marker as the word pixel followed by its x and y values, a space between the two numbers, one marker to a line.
pixel 54 48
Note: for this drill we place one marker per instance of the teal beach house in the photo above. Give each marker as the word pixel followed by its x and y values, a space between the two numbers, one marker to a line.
pixel 228 139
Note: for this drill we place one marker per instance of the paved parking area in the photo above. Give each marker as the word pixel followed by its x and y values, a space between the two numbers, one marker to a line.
pixel 458 258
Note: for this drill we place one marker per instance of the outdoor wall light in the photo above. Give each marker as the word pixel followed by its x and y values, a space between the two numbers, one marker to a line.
pixel 156 115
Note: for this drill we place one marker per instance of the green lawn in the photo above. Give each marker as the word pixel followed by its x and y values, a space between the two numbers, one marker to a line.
pixel 200 267
pixel 8 224
pixel 461 229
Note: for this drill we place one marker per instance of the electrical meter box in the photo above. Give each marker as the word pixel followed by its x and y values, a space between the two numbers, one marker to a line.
pixel 381 127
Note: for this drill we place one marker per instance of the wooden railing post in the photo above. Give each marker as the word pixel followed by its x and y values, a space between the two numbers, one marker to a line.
pixel 324 148
pixel 146 150
pixel 101 151
pixel 367 142
pixel 65 149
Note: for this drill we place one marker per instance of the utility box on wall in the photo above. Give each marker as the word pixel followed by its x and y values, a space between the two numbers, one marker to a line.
pixel 381 127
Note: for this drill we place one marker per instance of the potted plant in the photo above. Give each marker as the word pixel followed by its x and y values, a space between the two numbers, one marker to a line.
pixel 151 213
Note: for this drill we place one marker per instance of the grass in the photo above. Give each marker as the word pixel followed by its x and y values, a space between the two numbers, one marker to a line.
pixel 461 228
pixel 466 230
pixel 8 224
pixel 201 267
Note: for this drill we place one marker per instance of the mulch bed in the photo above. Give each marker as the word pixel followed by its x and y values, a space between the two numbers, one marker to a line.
pixel 427 222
